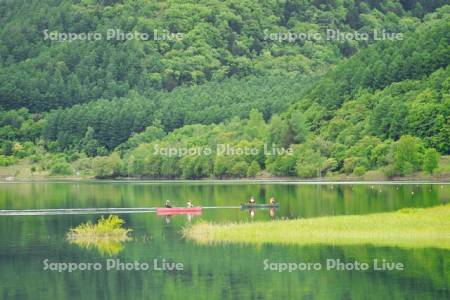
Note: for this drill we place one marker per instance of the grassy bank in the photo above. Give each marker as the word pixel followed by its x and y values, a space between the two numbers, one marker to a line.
pixel 410 228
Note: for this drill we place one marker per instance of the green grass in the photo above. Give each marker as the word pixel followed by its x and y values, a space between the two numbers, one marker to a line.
pixel 409 228
pixel 107 235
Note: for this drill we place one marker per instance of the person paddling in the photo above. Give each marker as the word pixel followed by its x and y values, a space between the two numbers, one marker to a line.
pixel 168 204
pixel 189 204
pixel 252 201
pixel 272 201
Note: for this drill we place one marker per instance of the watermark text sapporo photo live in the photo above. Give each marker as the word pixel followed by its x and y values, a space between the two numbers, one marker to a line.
pixel 327 34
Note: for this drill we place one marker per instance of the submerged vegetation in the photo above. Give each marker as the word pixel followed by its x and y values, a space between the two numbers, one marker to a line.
pixel 408 228
pixel 107 235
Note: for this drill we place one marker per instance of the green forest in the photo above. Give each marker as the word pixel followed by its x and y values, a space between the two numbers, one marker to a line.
pixel 225 101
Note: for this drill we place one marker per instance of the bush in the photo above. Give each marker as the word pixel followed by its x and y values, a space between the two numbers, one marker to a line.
pixel 350 164
pixel 105 227
pixel 107 166
pixel 61 168
pixel 239 169
pixel 253 169
pixel 284 165
pixel 407 154
pixel 19 151
pixel 106 235
pixel 220 166
pixel 307 171
pixel 6 160
pixel 52 146
pixel 83 164
pixel 73 156
pixel 35 158
pixel 102 167
pixel 7 148
pixel 390 171
pixel 430 160
pixel 359 171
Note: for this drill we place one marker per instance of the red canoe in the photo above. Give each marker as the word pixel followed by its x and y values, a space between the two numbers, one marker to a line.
pixel 179 211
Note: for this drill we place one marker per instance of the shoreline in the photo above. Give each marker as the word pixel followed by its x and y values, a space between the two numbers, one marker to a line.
pixel 21 172
pixel 225 181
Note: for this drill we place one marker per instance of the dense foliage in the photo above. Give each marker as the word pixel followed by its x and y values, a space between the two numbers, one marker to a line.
pixel 220 39
pixel 365 134
pixel 113 121
pixel 385 108
pixel 243 148
pixel 421 53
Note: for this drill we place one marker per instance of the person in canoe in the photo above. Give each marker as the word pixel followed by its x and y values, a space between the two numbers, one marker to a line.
pixel 252 201
pixel 168 204
pixel 189 204
pixel 272 201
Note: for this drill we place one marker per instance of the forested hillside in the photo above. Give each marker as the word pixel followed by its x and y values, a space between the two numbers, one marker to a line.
pixel 303 108
pixel 114 121
pixel 396 130
pixel 221 39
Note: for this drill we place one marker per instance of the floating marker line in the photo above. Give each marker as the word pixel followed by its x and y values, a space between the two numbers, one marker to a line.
pixel 73 211
pixel 51 213
pixel 215 207
pixel 81 211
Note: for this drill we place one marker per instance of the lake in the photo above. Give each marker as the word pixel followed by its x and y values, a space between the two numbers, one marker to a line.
pixel 219 271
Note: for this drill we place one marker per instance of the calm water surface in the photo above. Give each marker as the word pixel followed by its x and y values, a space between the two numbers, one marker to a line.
pixel 212 271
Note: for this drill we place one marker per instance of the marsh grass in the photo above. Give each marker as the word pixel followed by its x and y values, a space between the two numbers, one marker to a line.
pixel 409 228
pixel 107 235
